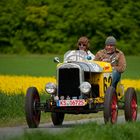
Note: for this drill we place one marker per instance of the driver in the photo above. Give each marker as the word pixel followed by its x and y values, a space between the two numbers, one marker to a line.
pixel 117 59
pixel 83 44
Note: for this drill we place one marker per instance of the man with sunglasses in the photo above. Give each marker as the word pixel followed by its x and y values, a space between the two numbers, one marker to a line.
pixel 114 56
pixel 83 44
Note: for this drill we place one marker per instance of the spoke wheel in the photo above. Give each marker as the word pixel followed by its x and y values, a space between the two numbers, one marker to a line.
pixel 110 106
pixel 130 108
pixel 114 109
pixel 32 99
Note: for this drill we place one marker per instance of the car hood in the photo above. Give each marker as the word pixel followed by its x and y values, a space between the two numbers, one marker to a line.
pixel 88 66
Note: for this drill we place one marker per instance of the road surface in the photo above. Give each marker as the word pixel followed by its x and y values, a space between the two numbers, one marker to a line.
pixel 6 132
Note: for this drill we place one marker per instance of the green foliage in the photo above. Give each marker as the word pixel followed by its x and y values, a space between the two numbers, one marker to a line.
pixel 12 109
pixel 11 106
pixel 36 15
pixel 53 26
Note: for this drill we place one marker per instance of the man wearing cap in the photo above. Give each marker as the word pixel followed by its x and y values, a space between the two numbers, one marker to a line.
pixel 114 56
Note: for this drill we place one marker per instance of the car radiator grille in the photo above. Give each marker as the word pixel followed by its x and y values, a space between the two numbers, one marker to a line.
pixel 68 82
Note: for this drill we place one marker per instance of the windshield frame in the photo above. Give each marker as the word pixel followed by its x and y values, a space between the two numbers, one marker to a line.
pixel 75 55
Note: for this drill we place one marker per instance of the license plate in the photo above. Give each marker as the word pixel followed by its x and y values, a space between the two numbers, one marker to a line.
pixel 75 102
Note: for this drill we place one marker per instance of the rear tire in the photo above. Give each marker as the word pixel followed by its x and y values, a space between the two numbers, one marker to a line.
pixel 130 105
pixel 110 106
pixel 57 118
pixel 32 114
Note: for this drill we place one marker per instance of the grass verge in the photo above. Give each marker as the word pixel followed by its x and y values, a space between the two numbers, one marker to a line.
pixel 90 131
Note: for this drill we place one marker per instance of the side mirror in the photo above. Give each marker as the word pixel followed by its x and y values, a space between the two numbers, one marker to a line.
pixel 56 60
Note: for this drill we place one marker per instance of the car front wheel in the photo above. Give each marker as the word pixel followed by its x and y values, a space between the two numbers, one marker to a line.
pixel 57 118
pixel 32 113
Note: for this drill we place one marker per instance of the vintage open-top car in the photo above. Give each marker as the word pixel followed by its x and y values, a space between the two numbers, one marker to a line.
pixel 82 86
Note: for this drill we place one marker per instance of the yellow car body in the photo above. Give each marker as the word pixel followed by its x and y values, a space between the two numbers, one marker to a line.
pixel 103 79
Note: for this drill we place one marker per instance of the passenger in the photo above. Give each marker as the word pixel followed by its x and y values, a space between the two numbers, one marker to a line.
pixel 83 44
pixel 117 59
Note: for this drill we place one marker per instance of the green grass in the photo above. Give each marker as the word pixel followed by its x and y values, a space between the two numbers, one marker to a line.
pixel 43 65
pixel 11 108
pixel 89 131
pixel 133 67
pixel 34 65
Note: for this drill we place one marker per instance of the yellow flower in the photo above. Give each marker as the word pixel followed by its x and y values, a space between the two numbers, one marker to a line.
pixel 19 84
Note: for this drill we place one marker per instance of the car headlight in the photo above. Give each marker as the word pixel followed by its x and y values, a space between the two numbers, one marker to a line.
pixel 50 88
pixel 85 87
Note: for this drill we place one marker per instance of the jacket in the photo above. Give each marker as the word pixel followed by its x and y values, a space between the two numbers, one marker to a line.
pixel 117 59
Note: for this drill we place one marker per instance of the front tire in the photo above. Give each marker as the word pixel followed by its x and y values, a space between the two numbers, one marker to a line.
pixel 32 114
pixel 130 105
pixel 110 106
pixel 57 118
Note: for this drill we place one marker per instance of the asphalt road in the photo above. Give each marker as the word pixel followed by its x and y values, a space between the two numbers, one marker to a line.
pixel 7 132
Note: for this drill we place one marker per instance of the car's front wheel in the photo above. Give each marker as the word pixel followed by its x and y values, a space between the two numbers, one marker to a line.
pixel 110 106
pixel 57 118
pixel 32 113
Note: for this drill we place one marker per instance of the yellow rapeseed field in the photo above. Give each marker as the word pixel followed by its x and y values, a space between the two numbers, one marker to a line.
pixel 19 84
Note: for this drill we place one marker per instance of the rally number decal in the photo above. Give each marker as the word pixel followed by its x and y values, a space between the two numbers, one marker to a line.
pixel 107 81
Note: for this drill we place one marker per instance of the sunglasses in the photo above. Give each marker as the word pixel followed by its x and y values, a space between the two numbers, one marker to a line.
pixel 82 45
